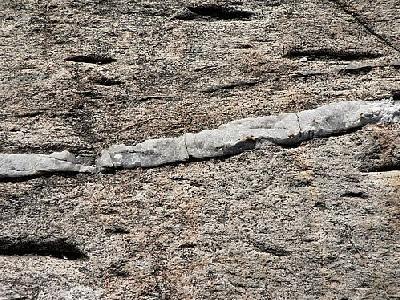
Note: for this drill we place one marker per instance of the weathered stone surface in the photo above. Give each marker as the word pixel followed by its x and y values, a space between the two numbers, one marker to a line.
pixel 54 292
pixel 25 165
pixel 316 221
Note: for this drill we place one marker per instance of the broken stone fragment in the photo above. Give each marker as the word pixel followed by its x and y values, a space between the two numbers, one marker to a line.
pixel 239 136
pixel 150 153
pixel 343 116
pixel 288 129
pixel 282 129
pixel 218 143
pixel 22 165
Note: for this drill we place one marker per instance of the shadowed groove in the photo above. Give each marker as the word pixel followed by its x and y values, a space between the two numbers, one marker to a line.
pixel 57 248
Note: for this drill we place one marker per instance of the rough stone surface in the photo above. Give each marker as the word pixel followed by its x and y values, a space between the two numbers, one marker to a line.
pixel 315 221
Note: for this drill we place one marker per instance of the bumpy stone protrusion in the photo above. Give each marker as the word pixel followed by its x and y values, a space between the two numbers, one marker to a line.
pixel 340 117
pixel 287 129
pixel 23 165
pixel 150 153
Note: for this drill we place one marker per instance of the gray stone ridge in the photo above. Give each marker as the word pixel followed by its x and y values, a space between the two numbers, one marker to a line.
pixel 287 129
pixel 26 165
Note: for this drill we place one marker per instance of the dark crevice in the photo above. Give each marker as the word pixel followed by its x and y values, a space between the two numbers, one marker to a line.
pixel 356 70
pixel 388 167
pixel 116 229
pixel 320 205
pixel 331 54
pixel 191 182
pixel 243 46
pixel 214 12
pixel 339 133
pixel 231 86
pixel 57 248
pixel 292 145
pixel 274 250
pixel 30 114
pixel 308 74
pixel 187 246
pixel 244 145
pixel 156 97
pixel 355 194
pixel 272 3
pixel 364 23
pixel 396 95
pixel 309 136
pixel 90 94
pixel 91 59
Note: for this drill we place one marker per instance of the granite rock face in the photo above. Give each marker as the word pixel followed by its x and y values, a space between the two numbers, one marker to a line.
pixel 287 191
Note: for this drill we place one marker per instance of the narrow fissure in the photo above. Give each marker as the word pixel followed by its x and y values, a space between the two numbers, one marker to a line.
pixel 214 12
pixel 91 59
pixel 231 86
pixel 331 54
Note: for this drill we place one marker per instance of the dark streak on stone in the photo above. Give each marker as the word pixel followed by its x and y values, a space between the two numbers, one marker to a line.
pixel 396 65
pixel 274 250
pixel 308 74
pixel 30 114
pixel 57 248
pixel 187 246
pixel 231 86
pixel 213 12
pixel 116 229
pixel 156 97
pixel 320 205
pixel 105 81
pixel 384 167
pixel 91 59
pixel 355 194
pixel 396 95
pixel 331 54
pixel 356 70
